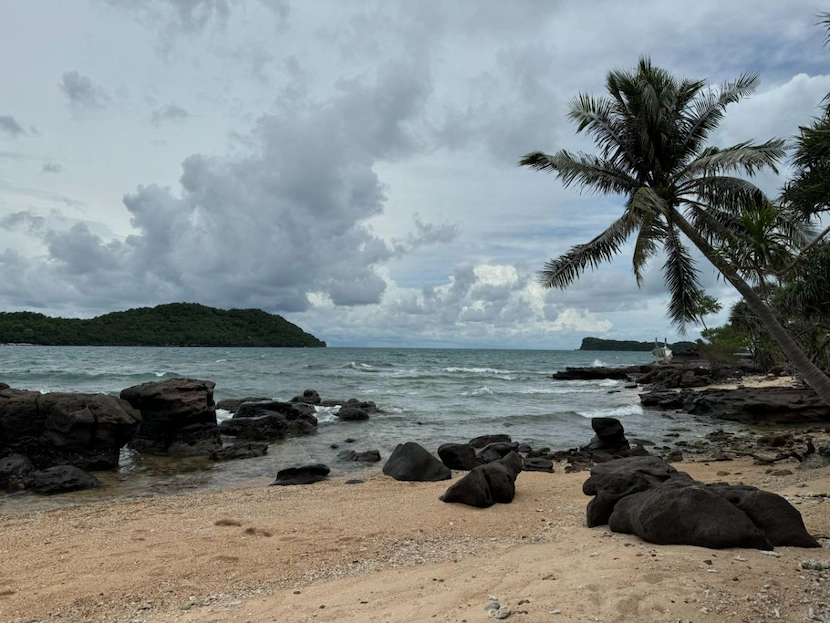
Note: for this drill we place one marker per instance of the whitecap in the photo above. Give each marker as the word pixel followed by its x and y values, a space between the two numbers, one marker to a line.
pixel 599 363
pixel 222 415
pixel 617 412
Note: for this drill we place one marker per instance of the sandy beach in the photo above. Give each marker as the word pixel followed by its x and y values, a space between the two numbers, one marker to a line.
pixel 387 551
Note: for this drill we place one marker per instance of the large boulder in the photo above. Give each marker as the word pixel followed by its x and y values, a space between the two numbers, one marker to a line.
pixel 609 437
pixel 484 440
pixel 306 474
pixel 485 485
pixel 460 456
pixel 612 481
pixel 178 417
pixel 780 522
pixel 352 413
pixel 298 418
pixel 86 430
pixel 686 514
pixel 62 479
pixel 259 428
pixel 648 497
pixel 412 462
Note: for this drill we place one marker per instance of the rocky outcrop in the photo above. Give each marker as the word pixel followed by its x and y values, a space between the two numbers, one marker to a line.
pixel 487 484
pixel 240 450
pixel 309 396
pixel 62 479
pixel 649 498
pixel 86 430
pixel 496 450
pixel 673 376
pixel 352 412
pixel 272 419
pixel 306 474
pixel 412 462
pixel 178 417
pixel 772 405
pixel 485 440
pixel 601 372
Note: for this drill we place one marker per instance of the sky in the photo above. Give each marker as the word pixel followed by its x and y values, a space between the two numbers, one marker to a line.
pixel 352 166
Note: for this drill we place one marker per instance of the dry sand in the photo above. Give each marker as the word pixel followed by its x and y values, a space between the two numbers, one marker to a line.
pixel 387 551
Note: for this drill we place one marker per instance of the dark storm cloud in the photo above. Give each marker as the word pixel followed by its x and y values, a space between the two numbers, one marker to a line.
pixel 10 126
pixel 82 93
pixel 170 112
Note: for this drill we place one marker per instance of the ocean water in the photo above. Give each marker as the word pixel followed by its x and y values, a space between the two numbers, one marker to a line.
pixel 431 396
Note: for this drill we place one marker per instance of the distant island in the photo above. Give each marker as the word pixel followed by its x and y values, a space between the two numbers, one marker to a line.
pixel 595 343
pixel 175 324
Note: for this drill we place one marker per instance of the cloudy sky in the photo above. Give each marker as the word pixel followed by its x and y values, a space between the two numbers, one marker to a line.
pixel 351 165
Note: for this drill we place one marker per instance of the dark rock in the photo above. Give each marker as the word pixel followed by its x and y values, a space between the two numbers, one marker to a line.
pixel 675 456
pixel 412 462
pixel 775 405
pixel 538 465
pixel 62 479
pixel 610 436
pixel 685 514
pixel 302 474
pixel 458 456
pixel 172 409
pixel 309 396
pixel 351 413
pixel 240 450
pixel 780 522
pixel 354 481
pixel 524 448
pixel 366 405
pixel 484 440
pixel 369 456
pixel 271 420
pixel 614 480
pixel 496 450
pixel 487 484
pixel 16 473
pixel 86 430
pixel 638 450
pixel 232 404
pixel 600 372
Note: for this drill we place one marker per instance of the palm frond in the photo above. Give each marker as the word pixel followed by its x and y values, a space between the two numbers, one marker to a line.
pixel 682 281
pixel 567 268
pixel 745 157
pixel 708 108
pixel 583 170
pixel 645 200
pixel 729 194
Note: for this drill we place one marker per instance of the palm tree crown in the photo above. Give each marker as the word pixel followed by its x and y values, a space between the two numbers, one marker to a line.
pixel 651 132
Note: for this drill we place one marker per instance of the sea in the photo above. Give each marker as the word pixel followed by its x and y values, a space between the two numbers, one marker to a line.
pixel 430 396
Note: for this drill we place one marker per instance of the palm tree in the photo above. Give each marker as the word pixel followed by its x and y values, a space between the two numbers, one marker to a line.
pixel 650 131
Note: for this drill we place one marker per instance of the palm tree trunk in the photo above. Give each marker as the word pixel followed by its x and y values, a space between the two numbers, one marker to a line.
pixel 812 374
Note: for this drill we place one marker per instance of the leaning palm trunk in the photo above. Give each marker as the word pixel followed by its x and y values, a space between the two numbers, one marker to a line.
pixel 812 374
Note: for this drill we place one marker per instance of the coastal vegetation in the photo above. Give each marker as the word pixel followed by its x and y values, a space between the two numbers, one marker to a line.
pixel 175 324
pixel 595 343
pixel 651 132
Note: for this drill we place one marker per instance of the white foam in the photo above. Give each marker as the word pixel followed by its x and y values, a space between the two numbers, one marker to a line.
pixel 477 370
pixel 613 411
pixel 223 414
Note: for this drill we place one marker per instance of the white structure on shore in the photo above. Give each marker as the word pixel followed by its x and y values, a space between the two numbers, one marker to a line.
pixel 662 352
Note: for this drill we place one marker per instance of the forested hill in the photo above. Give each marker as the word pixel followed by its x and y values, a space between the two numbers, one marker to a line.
pixel 595 343
pixel 176 324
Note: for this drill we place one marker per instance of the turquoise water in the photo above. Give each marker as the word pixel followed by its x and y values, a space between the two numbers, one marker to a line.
pixel 431 396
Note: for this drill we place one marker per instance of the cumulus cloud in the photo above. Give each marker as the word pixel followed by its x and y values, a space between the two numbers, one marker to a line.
pixel 10 126
pixel 82 93
pixel 170 112
pixel 287 218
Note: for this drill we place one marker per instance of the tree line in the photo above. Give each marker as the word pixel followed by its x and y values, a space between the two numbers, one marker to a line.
pixel 175 324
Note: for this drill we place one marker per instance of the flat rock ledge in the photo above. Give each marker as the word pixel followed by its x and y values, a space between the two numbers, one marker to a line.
pixel 757 405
